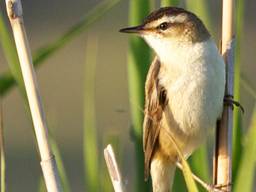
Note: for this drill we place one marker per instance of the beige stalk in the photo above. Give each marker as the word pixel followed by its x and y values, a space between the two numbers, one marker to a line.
pixel 48 163
pixel 223 153
pixel 113 169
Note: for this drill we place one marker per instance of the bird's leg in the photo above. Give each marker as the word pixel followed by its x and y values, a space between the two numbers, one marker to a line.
pixel 208 187
pixel 229 100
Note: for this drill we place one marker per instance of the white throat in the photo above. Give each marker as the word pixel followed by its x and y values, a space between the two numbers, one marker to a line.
pixel 171 51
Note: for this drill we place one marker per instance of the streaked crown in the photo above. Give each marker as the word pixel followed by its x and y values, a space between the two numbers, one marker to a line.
pixel 172 22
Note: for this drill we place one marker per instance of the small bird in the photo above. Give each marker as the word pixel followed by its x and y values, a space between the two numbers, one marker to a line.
pixel 184 90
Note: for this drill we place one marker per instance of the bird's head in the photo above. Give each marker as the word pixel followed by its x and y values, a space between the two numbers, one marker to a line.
pixel 168 25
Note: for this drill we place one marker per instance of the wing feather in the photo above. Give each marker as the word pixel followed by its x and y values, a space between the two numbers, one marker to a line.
pixel 155 101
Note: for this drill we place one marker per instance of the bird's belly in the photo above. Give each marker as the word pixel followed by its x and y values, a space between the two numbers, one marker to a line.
pixel 193 108
pixel 194 79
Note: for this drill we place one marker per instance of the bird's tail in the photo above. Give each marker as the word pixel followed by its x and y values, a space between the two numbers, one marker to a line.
pixel 162 173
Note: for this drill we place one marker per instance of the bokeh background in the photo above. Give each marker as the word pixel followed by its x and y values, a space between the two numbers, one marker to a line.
pixel 62 85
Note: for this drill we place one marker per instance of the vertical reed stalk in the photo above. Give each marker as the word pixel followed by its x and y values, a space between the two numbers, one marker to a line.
pixel 2 151
pixel 223 155
pixel 91 160
pixel 48 163
pixel 139 60
pixel 237 129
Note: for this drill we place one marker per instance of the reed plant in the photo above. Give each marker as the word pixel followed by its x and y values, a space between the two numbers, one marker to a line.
pixel 199 160
pixel 48 163
pixel 9 79
pixel 237 128
pixel 241 168
pixel 90 139
pixel 139 58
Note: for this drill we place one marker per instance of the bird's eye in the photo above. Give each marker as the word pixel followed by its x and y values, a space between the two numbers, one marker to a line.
pixel 163 26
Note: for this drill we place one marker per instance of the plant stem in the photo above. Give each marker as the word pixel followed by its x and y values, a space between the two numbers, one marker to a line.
pixel 48 163
pixel 90 147
pixel 237 129
pixel 223 157
pixel 113 169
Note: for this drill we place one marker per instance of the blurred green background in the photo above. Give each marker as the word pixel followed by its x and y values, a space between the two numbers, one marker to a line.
pixel 62 85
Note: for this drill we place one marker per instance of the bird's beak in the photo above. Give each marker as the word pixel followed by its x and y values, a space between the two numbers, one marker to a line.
pixel 137 29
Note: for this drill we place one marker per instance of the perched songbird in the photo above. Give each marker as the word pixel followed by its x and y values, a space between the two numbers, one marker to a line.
pixel 184 89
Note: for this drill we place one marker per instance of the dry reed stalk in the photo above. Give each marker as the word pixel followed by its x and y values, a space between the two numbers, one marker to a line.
pixel 113 169
pixel 48 163
pixel 223 151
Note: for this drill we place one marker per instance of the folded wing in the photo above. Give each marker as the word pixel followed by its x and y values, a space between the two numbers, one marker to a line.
pixel 155 102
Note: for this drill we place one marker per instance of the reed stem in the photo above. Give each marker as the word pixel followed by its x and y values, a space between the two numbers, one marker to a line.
pixel 90 139
pixel 237 129
pixel 113 169
pixel 223 153
pixel 48 163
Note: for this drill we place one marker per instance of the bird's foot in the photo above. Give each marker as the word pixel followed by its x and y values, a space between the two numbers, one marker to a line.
pixel 228 100
pixel 207 186
pixel 220 187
